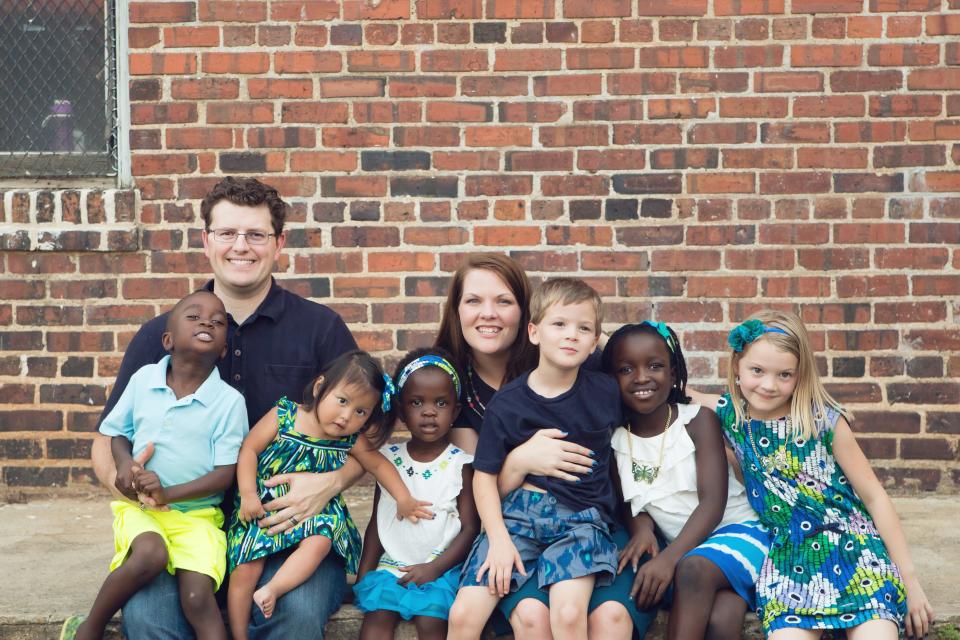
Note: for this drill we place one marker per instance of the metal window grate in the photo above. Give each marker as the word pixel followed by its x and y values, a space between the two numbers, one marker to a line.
pixel 58 99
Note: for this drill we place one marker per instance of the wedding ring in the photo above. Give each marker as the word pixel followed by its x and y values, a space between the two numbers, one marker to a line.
pixel 293 520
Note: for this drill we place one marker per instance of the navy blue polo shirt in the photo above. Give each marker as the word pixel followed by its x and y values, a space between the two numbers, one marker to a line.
pixel 276 352
pixel 589 412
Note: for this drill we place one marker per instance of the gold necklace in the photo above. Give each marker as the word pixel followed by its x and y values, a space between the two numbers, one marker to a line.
pixel 777 459
pixel 644 472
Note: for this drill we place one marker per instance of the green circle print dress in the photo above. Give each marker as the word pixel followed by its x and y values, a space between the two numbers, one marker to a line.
pixel 827 567
pixel 290 452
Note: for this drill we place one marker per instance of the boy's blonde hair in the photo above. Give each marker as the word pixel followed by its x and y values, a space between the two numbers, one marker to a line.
pixel 810 399
pixel 564 291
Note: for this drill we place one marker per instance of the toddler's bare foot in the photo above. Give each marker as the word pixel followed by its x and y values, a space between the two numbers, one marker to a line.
pixel 265 599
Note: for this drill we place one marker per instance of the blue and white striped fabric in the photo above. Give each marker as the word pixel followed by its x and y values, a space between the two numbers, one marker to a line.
pixel 739 551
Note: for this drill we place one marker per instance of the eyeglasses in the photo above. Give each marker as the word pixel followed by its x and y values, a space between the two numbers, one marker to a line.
pixel 229 236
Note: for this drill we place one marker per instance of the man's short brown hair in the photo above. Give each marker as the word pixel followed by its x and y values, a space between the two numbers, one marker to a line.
pixel 246 192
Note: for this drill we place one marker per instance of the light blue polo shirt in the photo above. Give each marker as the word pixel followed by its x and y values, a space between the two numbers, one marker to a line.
pixel 192 435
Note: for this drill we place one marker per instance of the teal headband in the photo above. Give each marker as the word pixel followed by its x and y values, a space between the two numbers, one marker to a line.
pixel 429 361
pixel 745 333
pixel 664 332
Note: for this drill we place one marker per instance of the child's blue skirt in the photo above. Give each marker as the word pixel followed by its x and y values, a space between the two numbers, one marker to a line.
pixel 379 591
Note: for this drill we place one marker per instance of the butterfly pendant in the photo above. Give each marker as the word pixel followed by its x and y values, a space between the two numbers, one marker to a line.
pixel 776 461
pixel 644 473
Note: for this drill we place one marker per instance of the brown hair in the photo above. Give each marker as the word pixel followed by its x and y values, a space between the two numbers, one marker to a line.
pixel 523 355
pixel 246 192
pixel 565 291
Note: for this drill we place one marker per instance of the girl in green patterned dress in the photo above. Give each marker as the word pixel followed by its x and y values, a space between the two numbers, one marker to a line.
pixel 838 558
pixel 350 398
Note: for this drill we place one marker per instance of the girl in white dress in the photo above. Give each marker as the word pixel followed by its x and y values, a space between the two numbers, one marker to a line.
pixel 407 570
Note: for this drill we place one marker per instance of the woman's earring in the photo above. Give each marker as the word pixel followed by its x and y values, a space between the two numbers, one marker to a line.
pixel 737 379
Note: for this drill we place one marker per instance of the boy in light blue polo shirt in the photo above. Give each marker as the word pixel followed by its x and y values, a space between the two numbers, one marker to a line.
pixel 196 423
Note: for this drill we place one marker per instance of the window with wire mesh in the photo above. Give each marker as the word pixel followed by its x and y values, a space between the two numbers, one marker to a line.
pixel 58 88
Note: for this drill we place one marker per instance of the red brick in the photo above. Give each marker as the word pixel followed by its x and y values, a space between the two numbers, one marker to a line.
pixel 829 107
pixel 831 158
pixel 540 111
pixel 356 137
pixel 322 161
pixel 769 158
pixel 310 35
pixel 931 258
pixel 591 9
pixel 901 55
pixel 157 164
pixel 307 62
pixel 498 136
pixel 232 11
pixel 672 108
pixel 426 86
pixel 685 260
pixel 239 112
pixel 188 37
pixel 722 133
pixel 449 9
pixel 721 183
pixel 721 287
pixel 519 9
pixel 899 312
pixel 747 7
pixel 435 236
pixel 827 6
pixel 507 236
pixel 642 83
pixel 796 287
pixel 315 112
pixel 575 185
pixel 539 161
pixel 610 159
pixel 380 61
pixel 780 133
pixel 527 60
pixel 614 261
pixel 759 259
pixel 383 10
pixel 466 160
pixel 575 136
pixel 753 107
pixel 498 185
pixel 666 57
pixel 454 60
pixel 600 58
pixel 151 12
pixel 912 106
pixel 567 85
pixel 676 8
pixel 788 81
pixel 804 55
pixel 427 136
pixel 236 63
pixel 304 10
pixel 154 64
pixel 204 89
pixel 748 57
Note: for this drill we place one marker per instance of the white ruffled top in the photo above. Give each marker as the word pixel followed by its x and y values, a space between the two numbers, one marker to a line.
pixel 439 481
pixel 672 496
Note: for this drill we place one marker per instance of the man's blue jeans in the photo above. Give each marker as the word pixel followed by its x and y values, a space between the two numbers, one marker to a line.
pixel 154 613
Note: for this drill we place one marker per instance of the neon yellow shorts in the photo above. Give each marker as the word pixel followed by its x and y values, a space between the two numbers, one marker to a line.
pixel 194 539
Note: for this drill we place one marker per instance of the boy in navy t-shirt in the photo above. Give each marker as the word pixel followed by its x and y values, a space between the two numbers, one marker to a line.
pixel 555 530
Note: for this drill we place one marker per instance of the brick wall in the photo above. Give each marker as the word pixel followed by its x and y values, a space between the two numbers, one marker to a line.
pixel 695 160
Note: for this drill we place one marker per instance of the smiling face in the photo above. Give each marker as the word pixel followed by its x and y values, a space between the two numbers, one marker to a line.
pixel 767 377
pixel 345 409
pixel 240 268
pixel 567 334
pixel 428 404
pixel 197 324
pixel 641 364
pixel 489 313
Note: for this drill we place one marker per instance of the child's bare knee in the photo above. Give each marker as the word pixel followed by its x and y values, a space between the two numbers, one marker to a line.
pixel 692 572
pixel 567 615
pixel 530 617
pixel 196 599
pixel 148 554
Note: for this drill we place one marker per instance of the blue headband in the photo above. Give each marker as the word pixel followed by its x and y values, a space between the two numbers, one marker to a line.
pixel 388 392
pixel 429 361
pixel 664 332
pixel 743 334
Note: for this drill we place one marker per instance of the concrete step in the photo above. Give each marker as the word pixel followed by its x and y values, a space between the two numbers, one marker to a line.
pixel 54 554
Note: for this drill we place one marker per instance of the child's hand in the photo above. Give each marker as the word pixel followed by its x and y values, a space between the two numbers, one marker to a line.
pixel 251 508
pixel 919 612
pixel 126 471
pixel 653 578
pixel 418 574
pixel 502 557
pixel 148 483
pixel 413 509
pixel 643 542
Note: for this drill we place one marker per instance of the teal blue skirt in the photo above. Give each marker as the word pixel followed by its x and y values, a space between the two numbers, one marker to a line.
pixel 380 591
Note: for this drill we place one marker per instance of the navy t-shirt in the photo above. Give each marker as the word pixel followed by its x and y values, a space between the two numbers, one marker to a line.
pixel 589 412
pixel 276 352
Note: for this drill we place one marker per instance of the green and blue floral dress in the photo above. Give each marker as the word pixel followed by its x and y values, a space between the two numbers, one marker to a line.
pixel 827 567
pixel 290 452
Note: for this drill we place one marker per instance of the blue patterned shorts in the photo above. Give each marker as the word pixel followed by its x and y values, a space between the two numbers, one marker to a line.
pixel 555 543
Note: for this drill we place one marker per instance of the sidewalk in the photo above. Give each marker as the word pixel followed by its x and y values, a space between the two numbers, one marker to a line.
pixel 55 554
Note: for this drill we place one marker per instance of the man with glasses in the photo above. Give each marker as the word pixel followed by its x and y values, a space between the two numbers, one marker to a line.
pixel 277 343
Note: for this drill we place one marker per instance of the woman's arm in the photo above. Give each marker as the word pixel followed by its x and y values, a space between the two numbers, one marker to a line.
pixel 546 453
pixel 388 476
pixel 708 400
pixel 465 439
pixel 307 495
pixel 459 547
pixel 864 481
pixel 372 547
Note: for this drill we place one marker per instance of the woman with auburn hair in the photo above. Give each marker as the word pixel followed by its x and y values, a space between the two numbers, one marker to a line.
pixel 484 326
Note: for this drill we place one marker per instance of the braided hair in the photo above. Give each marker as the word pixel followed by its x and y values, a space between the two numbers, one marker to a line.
pixel 678 393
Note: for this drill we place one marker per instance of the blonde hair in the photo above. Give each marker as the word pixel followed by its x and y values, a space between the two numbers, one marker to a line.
pixel 810 399
pixel 564 291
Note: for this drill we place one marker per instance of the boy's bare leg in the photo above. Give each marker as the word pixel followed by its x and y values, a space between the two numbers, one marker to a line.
pixel 200 606
pixel 569 600
pixel 243 582
pixel 146 559
pixel 299 565
pixel 379 625
pixel 470 612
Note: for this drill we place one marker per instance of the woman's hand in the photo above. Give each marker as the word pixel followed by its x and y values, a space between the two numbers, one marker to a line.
pixel 251 508
pixel 307 495
pixel 653 578
pixel 546 453
pixel 642 543
pixel 413 509
pixel 919 612
pixel 502 557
